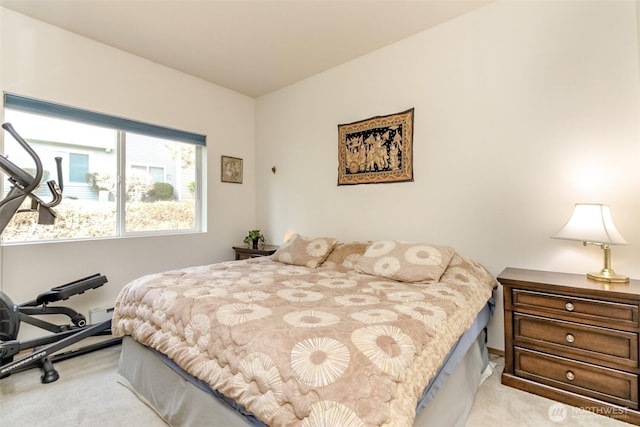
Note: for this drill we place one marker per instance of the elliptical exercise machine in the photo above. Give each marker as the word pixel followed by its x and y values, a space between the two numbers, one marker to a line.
pixel 24 185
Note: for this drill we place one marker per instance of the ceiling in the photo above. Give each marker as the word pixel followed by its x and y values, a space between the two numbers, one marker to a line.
pixel 250 46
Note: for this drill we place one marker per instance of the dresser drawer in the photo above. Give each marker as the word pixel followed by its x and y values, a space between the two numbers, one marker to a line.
pixel 246 256
pixel 609 385
pixel 609 347
pixel 244 252
pixel 583 310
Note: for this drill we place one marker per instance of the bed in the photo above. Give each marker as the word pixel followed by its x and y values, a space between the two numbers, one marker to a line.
pixel 321 333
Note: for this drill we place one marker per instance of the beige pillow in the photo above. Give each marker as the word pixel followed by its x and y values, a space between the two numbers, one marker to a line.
pixel 346 254
pixel 304 251
pixel 405 261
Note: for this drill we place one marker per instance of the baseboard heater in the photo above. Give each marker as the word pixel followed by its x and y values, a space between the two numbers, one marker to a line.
pixel 97 315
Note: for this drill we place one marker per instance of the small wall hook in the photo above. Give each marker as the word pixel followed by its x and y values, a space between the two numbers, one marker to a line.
pixel 273 169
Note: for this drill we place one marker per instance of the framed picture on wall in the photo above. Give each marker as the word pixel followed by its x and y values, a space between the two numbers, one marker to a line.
pixel 231 169
pixel 376 150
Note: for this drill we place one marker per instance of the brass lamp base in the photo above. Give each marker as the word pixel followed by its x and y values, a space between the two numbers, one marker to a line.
pixel 608 275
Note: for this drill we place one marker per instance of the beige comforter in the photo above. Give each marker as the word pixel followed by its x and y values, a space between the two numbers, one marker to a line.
pixel 306 347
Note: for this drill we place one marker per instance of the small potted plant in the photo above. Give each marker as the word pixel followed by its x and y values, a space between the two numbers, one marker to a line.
pixel 253 238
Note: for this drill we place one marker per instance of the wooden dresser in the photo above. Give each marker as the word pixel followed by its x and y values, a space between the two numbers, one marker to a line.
pixel 573 340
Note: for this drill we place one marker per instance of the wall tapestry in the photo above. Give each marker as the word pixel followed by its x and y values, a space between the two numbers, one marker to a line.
pixel 375 150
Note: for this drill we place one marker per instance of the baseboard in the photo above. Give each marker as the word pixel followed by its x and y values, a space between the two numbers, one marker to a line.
pixel 495 351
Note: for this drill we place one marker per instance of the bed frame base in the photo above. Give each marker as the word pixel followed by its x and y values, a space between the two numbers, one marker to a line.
pixel 179 402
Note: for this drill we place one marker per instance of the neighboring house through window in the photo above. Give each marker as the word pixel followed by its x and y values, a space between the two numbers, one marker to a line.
pixel 156 172
pixel 153 188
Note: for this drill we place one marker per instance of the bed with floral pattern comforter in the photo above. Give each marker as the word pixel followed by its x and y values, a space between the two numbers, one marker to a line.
pixel 341 335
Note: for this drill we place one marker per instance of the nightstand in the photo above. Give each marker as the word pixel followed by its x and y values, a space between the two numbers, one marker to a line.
pixel 244 252
pixel 573 340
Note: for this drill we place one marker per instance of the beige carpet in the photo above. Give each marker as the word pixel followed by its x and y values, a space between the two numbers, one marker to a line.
pixel 88 394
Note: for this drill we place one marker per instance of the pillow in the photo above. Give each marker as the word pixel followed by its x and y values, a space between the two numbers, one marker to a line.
pixel 304 251
pixel 346 254
pixel 405 261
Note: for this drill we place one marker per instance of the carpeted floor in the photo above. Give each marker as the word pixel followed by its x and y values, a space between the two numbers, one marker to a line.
pixel 88 394
pixel 499 405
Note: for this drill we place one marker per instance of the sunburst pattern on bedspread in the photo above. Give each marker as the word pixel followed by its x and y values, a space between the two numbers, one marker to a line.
pixel 306 347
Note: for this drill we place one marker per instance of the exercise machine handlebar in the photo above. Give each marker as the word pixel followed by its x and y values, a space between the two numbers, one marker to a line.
pixel 17 174
pixel 24 185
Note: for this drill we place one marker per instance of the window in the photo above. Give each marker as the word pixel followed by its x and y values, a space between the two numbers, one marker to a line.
pixel 121 177
pixel 78 167
pixel 156 172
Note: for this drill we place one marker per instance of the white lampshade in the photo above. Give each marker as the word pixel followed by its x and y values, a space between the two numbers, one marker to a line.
pixel 591 223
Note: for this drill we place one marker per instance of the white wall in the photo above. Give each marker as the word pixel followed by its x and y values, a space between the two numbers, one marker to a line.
pixel 522 109
pixel 42 61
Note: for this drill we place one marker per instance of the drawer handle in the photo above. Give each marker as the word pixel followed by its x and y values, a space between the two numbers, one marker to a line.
pixel 570 338
pixel 569 306
pixel 570 376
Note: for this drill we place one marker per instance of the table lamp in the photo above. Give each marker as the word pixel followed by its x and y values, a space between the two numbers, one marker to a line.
pixel 592 224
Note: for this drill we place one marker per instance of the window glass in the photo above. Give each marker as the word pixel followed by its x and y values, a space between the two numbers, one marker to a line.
pixel 78 167
pixel 154 191
pixel 158 180
pixel 157 173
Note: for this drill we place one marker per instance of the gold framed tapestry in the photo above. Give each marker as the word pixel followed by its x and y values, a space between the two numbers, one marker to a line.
pixel 376 150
